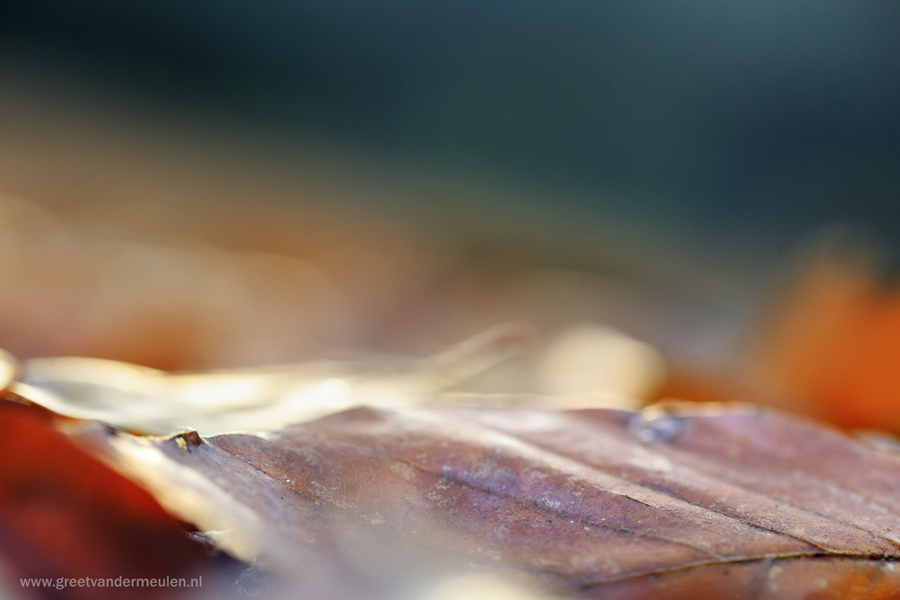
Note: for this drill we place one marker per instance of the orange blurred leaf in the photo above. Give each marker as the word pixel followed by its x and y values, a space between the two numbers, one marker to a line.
pixel 64 514
pixel 833 345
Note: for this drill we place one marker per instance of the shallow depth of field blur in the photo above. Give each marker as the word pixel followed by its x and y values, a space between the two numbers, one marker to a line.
pixel 228 184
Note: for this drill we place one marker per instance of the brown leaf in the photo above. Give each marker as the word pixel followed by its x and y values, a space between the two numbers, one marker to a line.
pixel 711 502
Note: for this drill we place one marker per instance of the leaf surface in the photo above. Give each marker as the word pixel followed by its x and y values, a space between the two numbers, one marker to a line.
pixel 715 502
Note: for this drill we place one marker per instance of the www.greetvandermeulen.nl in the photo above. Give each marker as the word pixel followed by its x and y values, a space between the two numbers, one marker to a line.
pixel 61 583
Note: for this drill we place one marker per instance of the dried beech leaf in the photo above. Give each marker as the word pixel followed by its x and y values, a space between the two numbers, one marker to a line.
pixel 684 502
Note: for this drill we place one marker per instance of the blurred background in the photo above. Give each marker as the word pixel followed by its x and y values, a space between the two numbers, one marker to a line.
pixel 222 184
pixel 689 200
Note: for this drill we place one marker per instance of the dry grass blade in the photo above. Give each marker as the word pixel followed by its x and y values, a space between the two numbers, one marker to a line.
pixel 150 401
